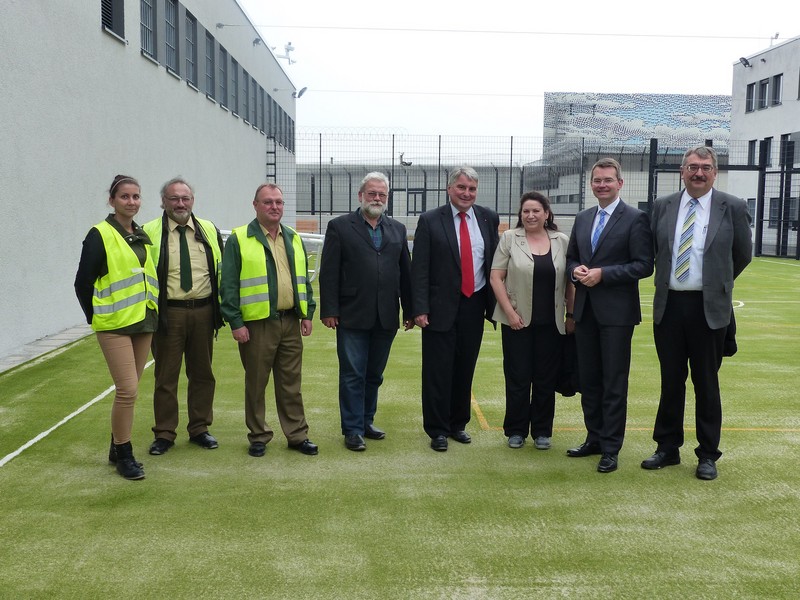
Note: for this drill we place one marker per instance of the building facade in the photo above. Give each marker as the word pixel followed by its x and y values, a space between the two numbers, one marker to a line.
pixel 766 117
pixel 149 88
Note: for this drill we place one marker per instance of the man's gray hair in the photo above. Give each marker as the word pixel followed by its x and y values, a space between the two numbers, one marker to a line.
pixel 701 152
pixel 173 181
pixel 373 176
pixel 468 172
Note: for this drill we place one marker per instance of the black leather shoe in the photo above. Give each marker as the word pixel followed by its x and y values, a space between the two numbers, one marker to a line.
pixel 204 440
pixel 439 443
pixel 585 449
pixel 160 446
pixel 306 447
pixel 355 443
pixel 661 459
pixel 257 449
pixel 607 463
pixel 706 469
pixel 373 433
pixel 462 437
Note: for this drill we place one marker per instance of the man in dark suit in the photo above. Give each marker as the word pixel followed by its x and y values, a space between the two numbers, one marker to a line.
pixel 365 275
pixel 453 249
pixel 610 250
pixel 702 243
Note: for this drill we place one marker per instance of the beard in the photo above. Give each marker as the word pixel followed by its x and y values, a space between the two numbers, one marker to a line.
pixel 181 218
pixel 373 209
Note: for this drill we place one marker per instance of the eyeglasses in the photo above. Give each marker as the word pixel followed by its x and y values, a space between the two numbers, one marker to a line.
pixel 178 198
pixel 606 181
pixel 696 168
pixel 373 195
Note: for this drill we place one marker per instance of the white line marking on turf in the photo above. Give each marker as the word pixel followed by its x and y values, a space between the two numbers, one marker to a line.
pixel 8 457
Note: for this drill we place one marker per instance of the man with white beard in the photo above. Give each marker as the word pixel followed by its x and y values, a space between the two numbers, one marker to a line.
pixel 365 277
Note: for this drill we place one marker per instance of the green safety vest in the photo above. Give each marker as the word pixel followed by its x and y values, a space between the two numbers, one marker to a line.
pixel 253 283
pixel 153 229
pixel 122 296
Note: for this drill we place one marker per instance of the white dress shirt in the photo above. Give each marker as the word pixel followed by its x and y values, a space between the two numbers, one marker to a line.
pixel 476 239
pixel 701 215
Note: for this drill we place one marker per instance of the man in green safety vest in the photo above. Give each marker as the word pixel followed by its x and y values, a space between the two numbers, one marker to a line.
pixel 187 252
pixel 268 302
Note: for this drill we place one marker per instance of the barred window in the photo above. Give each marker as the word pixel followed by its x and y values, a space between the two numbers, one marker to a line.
pixel 223 77
pixel 191 49
pixel 147 10
pixel 210 86
pixel 171 41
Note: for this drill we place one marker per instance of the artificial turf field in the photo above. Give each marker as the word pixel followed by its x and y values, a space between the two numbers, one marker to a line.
pixel 399 520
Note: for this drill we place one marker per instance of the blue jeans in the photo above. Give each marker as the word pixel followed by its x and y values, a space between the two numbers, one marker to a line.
pixel 363 354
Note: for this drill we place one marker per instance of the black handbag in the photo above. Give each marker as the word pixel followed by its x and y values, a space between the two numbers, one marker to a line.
pixel 567 383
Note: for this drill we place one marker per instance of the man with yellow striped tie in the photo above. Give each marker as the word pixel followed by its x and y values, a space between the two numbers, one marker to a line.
pixel 702 243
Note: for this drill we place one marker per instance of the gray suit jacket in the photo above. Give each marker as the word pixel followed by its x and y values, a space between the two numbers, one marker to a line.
pixel 728 250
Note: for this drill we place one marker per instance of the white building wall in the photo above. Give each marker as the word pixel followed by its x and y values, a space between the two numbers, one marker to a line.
pixel 79 106
pixel 774 120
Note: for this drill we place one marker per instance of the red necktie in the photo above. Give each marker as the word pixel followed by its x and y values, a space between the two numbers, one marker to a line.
pixel 467 273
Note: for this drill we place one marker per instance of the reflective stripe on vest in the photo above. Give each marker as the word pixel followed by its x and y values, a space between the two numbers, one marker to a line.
pixel 122 296
pixel 253 281
pixel 153 230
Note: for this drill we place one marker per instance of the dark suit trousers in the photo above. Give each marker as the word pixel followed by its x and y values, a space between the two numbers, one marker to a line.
pixel 448 366
pixel 275 346
pixel 604 363
pixel 531 358
pixel 682 337
pixel 189 334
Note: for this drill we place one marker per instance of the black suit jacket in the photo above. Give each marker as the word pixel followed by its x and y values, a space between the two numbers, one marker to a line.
pixel 361 285
pixel 436 265
pixel 624 252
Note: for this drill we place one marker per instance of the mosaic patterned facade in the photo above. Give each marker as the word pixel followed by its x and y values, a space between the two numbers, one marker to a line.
pixel 677 120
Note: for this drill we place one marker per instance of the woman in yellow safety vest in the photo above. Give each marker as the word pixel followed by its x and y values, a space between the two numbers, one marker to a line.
pixel 117 288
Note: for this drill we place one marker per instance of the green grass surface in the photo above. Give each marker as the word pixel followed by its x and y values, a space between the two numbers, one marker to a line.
pixel 399 520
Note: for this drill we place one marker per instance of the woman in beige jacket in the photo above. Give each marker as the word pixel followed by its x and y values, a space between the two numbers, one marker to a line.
pixel 533 298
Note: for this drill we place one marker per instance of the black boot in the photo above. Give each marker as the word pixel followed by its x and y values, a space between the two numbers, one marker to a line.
pixel 112 453
pixel 126 464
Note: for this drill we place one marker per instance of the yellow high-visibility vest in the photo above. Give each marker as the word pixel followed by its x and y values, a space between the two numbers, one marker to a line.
pixel 123 295
pixel 253 283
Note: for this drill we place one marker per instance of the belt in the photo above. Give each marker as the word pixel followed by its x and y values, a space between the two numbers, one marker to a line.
pixel 289 312
pixel 189 303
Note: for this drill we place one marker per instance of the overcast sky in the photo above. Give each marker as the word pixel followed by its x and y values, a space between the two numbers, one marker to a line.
pixel 481 68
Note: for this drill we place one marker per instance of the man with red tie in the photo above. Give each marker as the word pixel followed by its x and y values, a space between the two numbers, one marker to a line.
pixel 450 266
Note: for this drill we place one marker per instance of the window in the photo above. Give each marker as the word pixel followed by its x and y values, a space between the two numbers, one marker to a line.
pixel 191 49
pixel 223 77
pixel 777 89
pixel 273 118
pixel 261 109
pixel 245 95
pixel 171 34
pixel 763 93
pixel 112 17
pixel 750 103
pixel 768 151
pixel 147 10
pixel 784 151
pixel 751 208
pixel 234 86
pixel 253 102
pixel 751 152
pixel 210 70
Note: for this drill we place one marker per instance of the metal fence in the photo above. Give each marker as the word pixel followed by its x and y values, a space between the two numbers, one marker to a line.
pixel 330 167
